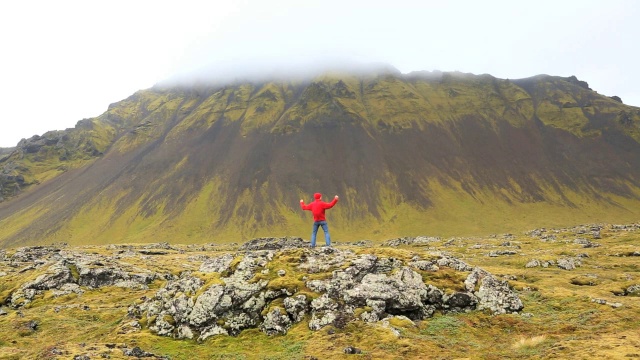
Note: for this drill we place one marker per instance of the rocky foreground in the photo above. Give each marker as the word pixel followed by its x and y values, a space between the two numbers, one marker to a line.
pixel 253 287
pixel 199 292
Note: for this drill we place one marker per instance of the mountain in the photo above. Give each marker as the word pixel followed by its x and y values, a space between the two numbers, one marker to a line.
pixel 425 153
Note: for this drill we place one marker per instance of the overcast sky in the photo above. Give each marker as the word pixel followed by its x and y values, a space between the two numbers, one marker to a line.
pixel 62 61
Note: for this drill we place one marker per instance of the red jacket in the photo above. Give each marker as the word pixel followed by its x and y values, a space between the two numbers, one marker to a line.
pixel 318 207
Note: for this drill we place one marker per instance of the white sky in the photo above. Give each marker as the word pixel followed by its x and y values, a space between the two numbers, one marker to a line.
pixel 62 61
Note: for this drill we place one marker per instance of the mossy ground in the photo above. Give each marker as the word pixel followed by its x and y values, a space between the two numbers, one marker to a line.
pixel 564 321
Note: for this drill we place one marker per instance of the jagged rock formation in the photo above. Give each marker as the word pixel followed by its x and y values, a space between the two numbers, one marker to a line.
pixel 361 287
pixel 71 272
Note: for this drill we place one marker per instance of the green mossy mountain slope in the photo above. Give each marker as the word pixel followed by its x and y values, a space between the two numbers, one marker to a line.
pixel 422 153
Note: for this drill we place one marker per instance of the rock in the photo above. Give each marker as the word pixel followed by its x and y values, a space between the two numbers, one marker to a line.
pixel 459 302
pixel 324 312
pixel 296 307
pixel 454 264
pixel 268 243
pixel 633 290
pixel 352 350
pixel 152 252
pixel 137 352
pixel 208 304
pixel 281 273
pixel 569 263
pixel 2 312
pixel 377 312
pixel 184 332
pixel 501 252
pixel 276 322
pixel 96 275
pixel 32 253
pixel 424 265
pixel 605 302
pixel 56 275
pixel 493 294
pixel 210 331
pixel 362 243
pixel 414 241
pixel 81 357
pixel 162 245
pixel 130 327
pixel 585 243
pixel 217 264
pixel 322 261
pixel 533 263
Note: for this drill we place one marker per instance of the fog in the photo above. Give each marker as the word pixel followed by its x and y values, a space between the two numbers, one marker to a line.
pixel 273 70
pixel 68 60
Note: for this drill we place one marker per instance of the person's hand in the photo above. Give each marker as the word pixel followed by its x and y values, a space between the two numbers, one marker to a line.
pixel 301 200
pixel 336 196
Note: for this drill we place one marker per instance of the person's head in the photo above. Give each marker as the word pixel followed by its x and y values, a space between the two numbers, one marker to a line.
pixel 317 196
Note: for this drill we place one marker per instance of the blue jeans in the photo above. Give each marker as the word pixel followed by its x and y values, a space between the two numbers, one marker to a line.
pixel 325 228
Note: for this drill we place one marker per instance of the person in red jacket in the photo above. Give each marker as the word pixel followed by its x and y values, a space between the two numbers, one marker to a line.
pixel 317 208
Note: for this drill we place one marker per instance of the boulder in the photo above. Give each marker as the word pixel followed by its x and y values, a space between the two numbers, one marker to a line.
pixel 569 263
pixel 493 294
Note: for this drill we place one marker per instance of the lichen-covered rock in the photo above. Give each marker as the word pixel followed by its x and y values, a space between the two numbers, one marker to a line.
pixel 454 263
pixel 459 302
pixel 56 275
pixel 533 263
pixel 33 253
pixel 210 331
pixel 324 259
pixel 97 275
pixel 492 294
pixel 217 264
pixel 413 241
pixel 296 307
pixel 208 305
pixel 424 265
pixel 569 263
pixel 269 243
pixel 633 290
pixel 276 322
pixel 324 312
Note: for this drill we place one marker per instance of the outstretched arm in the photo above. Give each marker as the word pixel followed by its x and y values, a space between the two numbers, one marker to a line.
pixel 303 206
pixel 332 203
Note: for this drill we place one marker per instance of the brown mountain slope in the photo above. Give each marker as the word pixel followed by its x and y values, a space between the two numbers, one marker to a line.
pixel 424 153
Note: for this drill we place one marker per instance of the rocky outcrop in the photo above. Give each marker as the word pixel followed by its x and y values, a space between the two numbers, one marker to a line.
pixel 566 263
pixel 362 287
pixel 269 243
pixel 414 241
pixel 63 273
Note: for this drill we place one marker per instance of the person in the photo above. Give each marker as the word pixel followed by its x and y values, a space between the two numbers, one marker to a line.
pixel 319 220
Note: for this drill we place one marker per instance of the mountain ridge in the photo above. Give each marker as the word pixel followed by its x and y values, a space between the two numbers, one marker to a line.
pixel 407 152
